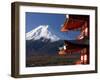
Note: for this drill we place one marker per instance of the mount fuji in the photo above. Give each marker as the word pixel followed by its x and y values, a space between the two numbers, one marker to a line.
pixel 43 33
pixel 42 41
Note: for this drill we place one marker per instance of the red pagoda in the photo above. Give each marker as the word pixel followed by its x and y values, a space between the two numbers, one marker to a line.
pixel 81 45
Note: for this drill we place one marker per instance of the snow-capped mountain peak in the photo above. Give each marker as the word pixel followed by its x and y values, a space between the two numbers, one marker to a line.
pixel 41 32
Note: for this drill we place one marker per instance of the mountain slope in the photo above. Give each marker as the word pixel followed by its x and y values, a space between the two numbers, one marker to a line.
pixel 41 40
pixel 39 47
pixel 42 33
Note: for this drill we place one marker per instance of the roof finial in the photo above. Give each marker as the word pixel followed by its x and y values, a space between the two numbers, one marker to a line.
pixel 67 16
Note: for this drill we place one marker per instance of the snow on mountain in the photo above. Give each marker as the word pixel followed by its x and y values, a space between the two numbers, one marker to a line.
pixel 41 32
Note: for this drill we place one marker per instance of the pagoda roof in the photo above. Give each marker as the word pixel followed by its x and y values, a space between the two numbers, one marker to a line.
pixel 74 22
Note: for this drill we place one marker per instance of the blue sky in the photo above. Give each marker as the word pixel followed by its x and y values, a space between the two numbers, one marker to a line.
pixel 54 21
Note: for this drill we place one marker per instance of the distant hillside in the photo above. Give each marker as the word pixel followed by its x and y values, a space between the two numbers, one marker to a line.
pixel 38 47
